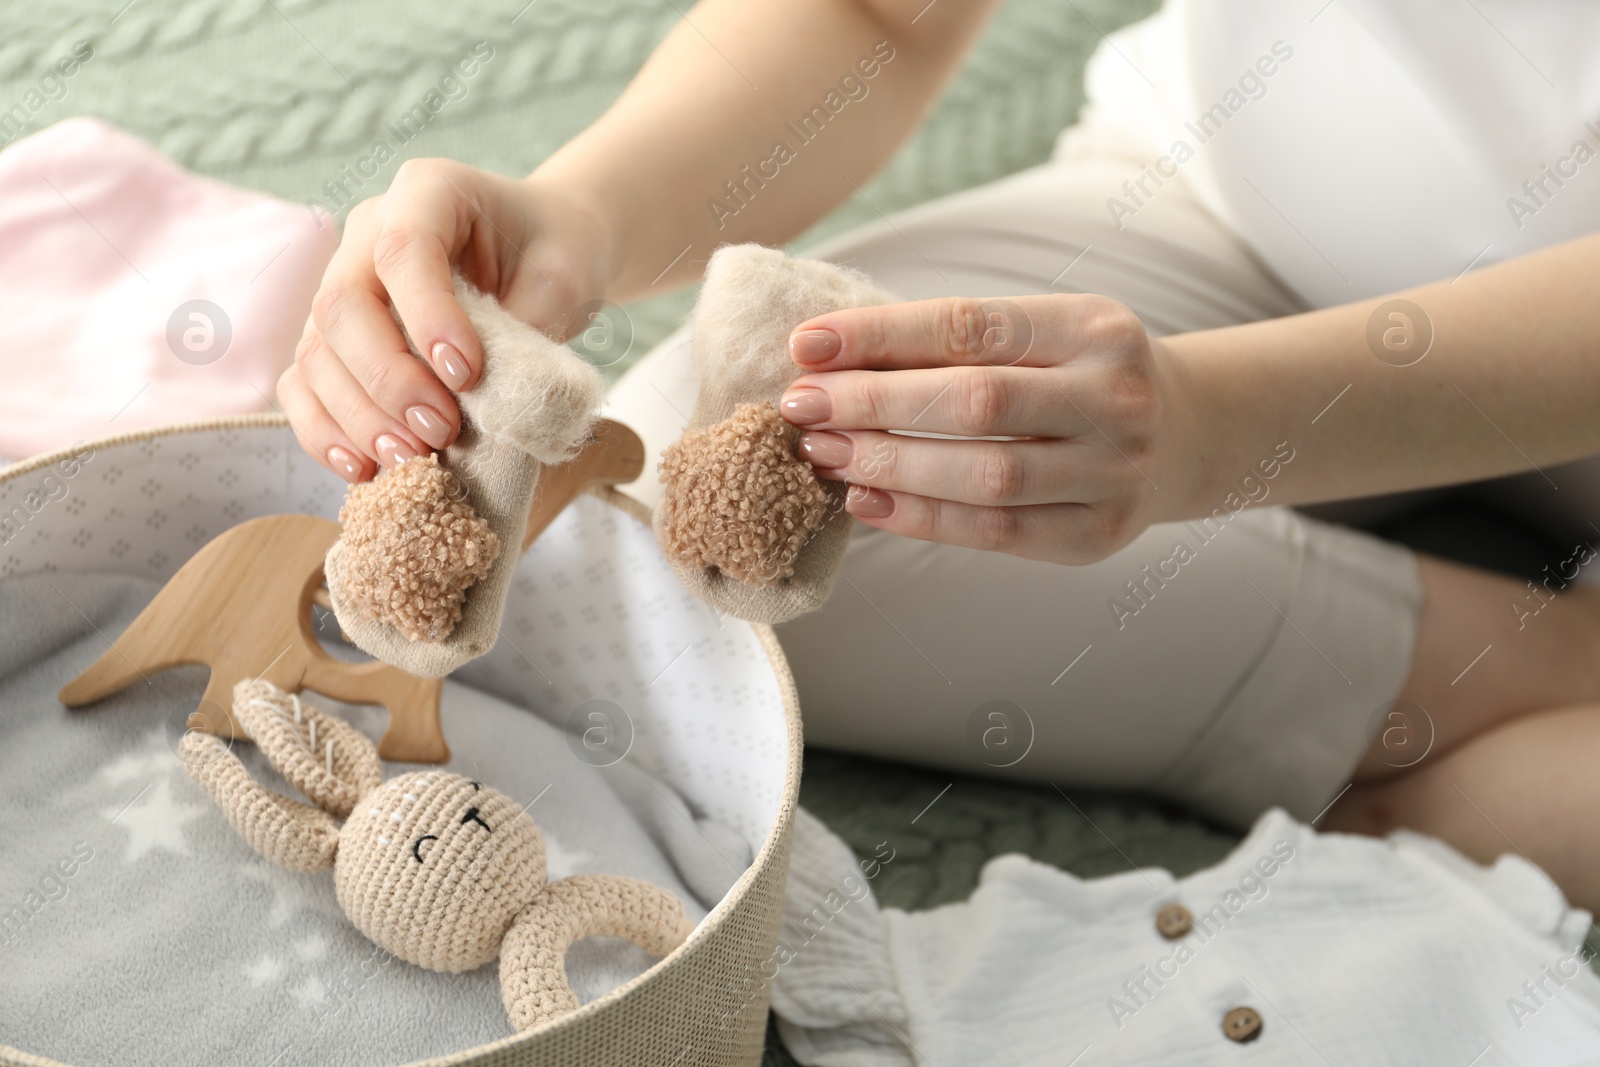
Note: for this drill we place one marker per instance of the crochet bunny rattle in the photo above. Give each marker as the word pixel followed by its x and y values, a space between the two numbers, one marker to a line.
pixel 442 871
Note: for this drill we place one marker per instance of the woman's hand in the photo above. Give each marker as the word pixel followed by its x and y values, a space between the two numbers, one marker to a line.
pixel 1078 389
pixel 355 396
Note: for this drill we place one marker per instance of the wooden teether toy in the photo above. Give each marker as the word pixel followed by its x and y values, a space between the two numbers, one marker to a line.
pixel 242 606
pixel 444 872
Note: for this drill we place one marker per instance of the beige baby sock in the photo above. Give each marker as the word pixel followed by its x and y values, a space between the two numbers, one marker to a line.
pixel 419 576
pixel 747 525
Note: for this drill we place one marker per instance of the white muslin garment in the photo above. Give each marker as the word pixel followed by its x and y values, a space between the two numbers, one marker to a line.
pixel 1351 950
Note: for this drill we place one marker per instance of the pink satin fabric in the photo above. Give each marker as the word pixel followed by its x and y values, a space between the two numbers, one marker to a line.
pixel 102 239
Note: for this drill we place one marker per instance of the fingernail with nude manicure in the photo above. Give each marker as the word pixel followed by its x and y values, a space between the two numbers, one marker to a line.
pixel 450 365
pixel 869 503
pixel 823 449
pixel 428 424
pixel 343 462
pixel 391 450
pixel 813 346
pixel 804 405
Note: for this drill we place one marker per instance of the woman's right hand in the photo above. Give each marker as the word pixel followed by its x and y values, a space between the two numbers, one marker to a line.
pixel 355 396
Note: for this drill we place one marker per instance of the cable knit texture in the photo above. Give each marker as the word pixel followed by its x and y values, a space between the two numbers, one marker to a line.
pixel 414 547
pixel 444 872
pixel 534 404
pixel 302 120
pixel 738 520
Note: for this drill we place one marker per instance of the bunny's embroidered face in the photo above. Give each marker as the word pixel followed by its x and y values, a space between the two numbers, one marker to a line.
pixel 434 867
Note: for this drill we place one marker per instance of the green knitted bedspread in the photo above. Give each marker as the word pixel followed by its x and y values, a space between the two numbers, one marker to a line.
pixel 291 96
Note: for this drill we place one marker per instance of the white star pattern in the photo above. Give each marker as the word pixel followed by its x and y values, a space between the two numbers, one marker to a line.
pixel 314 947
pixel 291 893
pixel 271 969
pixel 150 758
pixel 264 971
pixel 154 822
pixel 561 861
pixel 310 992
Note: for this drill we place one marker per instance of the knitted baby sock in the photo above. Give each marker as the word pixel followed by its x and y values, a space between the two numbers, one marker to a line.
pixel 747 525
pixel 419 575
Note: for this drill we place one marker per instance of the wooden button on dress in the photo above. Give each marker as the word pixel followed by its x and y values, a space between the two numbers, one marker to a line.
pixel 1174 921
pixel 1242 1024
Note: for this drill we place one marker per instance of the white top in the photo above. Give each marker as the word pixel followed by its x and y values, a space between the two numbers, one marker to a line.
pixel 1365 146
pixel 1349 950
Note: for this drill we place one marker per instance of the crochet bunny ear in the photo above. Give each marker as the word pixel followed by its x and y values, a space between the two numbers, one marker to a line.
pixel 328 760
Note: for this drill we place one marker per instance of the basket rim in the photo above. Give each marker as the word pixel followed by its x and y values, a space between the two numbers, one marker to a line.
pixel 771 848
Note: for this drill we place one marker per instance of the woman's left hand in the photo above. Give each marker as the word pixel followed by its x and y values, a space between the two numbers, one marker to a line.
pixel 1078 390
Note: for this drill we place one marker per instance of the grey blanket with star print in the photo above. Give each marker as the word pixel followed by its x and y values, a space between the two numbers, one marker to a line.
pixel 136 927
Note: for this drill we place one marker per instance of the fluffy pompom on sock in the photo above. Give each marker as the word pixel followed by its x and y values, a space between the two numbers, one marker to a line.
pixel 747 525
pixel 419 576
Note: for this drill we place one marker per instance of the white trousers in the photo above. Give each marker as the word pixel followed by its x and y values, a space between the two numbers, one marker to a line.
pixel 1230 666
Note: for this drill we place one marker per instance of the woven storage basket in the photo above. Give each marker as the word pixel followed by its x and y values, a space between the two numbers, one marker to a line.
pixel 738 759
